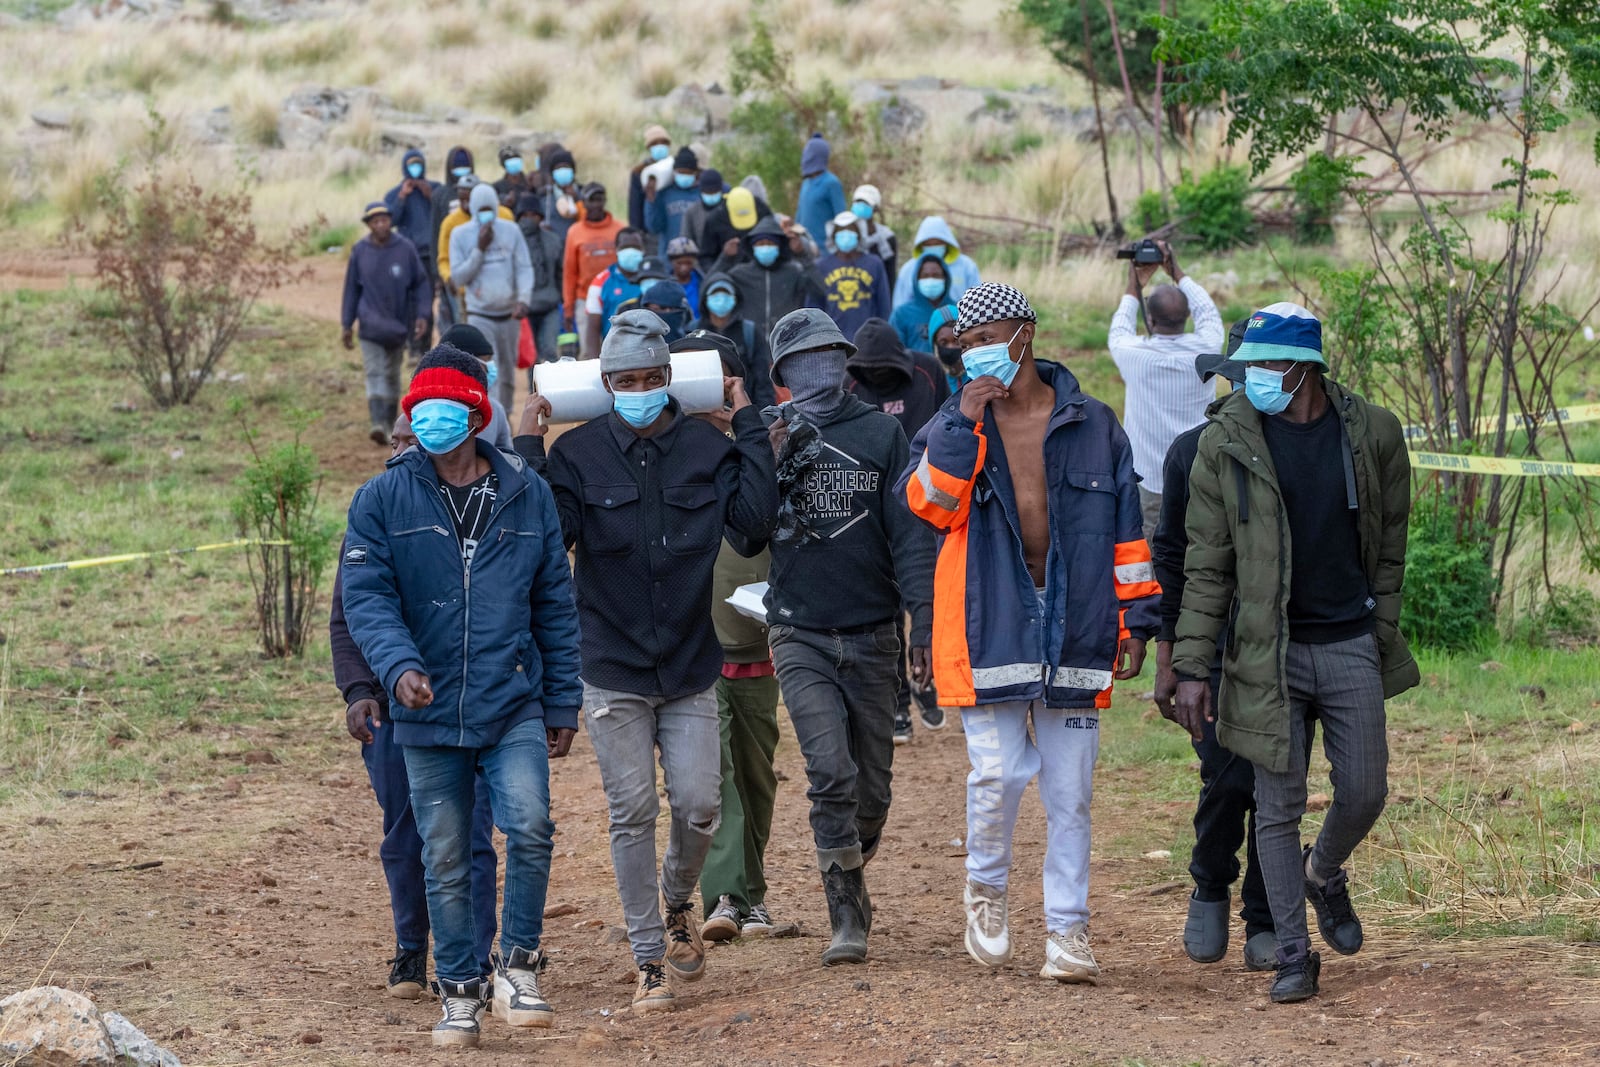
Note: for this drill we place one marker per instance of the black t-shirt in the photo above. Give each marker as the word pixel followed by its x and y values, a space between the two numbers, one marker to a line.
pixel 469 506
pixel 1328 596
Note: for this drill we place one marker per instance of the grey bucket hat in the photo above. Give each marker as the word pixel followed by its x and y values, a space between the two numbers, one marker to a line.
pixel 802 331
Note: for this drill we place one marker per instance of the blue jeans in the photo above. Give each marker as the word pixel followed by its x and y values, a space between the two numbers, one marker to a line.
pixel 401 851
pixel 517 772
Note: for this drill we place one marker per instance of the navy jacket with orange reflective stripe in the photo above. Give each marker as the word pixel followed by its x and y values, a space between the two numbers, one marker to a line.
pixel 991 642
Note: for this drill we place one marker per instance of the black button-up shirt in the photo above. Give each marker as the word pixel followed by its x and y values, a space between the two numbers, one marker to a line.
pixel 646 517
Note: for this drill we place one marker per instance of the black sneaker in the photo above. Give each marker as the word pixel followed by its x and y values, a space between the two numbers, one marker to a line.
pixel 1336 919
pixel 932 717
pixel 408 973
pixel 902 727
pixel 1297 975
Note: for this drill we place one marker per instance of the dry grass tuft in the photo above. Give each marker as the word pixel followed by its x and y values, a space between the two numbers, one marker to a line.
pixel 516 88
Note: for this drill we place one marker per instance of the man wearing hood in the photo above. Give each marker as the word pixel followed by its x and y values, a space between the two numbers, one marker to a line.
pixel 1045 596
pixel 721 314
pixel 854 285
pixel 460 215
pixel 911 387
pixel 946 349
pixel 728 224
pixel 516 180
pixel 591 247
pixel 645 495
pixel 770 283
pixel 411 205
pixel 821 193
pixel 668 302
pixel 840 527
pixel 441 202
pixel 910 320
pixel 386 291
pixel 544 255
pixel 934 237
pixel 489 263
pixel 664 214
pixel 658 147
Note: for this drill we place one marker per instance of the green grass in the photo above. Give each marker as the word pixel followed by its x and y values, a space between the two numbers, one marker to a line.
pixel 331 237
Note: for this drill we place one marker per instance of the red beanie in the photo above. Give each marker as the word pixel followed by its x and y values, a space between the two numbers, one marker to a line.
pixel 447 373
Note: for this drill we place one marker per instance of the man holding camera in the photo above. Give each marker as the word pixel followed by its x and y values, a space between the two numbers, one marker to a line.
pixel 1164 395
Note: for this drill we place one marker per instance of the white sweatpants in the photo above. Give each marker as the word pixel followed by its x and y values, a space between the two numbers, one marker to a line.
pixel 1005 759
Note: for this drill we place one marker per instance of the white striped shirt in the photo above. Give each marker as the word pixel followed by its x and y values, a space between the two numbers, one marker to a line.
pixel 1165 396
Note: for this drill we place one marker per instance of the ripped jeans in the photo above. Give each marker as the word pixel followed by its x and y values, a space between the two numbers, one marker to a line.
pixel 625 730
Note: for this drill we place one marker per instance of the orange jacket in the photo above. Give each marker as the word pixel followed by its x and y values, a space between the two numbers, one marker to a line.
pixel 591 248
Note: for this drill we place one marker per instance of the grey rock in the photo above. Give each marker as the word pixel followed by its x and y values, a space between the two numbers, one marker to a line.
pixel 132 1044
pixel 53 118
pixel 319 102
pixel 52 1027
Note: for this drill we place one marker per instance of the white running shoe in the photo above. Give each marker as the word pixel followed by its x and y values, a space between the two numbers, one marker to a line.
pixel 988 938
pixel 1067 957
pixel 517 1000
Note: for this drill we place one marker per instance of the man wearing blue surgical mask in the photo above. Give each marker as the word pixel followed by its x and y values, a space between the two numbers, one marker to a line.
pixel 447 523
pixel 442 203
pixel 1046 577
pixel 668 205
pixel 645 496
pixel 411 205
pixel 658 149
pixel 489 265
pixel 769 280
pixel 855 287
pixel 517 178
pixel 721 314
pixel 1299 499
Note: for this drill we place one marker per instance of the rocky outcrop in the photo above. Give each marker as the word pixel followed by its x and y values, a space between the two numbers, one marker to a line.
pixel 52 1027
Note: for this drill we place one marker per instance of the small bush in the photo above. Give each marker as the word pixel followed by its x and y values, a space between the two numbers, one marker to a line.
pixel 546 26
pixel 332 238
pixel 1569 616
pixel 458 32
pixel 1150 212
pixel 1320 187
pixel 255 120
pixel 1211 208
pixel 656 79
pixel 1449 590
pixel 518 87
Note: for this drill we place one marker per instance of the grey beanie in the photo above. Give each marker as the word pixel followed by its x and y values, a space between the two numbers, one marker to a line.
pixel 637 339
pixel 802 330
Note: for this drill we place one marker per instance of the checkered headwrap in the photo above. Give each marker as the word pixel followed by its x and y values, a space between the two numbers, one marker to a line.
pixel 991 302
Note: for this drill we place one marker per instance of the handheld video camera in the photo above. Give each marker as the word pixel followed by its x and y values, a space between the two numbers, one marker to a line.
pixel 1143 252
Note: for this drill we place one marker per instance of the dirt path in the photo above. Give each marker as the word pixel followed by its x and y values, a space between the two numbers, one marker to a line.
pixel 262 936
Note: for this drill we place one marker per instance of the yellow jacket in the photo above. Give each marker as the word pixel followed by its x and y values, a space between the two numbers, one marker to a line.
pixel 447 227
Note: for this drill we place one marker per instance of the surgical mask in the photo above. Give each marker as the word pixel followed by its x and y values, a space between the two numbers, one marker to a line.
pixel 846 240
pixel 950 356
pixel 629 259
pixel 492 368
pixel 934 250
pixel 684 181
pixel 514 165
pixel 766 254
pixel 640 409
pixel 562 175
pixel 931 288
pixel 440 425
pixel 658 152
pixel 461 172
pixel 711 199
pixel 414 169
pixel 721 304
pixel 861 209
pixel 1264 389
pixel 992 360
pixel 486 216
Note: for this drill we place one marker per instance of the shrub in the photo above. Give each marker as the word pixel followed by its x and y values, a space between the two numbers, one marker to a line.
pixel 1319 190
pixel 276 505
pixel 1150 212
pixel 1569 616
pixel 181 266
pixel 1449 590
pixel 518 87
pixel 1211 208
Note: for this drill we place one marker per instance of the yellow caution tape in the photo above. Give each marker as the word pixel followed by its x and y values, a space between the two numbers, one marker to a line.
pixel 1517 468
pixel 127 557
pixel 1575 414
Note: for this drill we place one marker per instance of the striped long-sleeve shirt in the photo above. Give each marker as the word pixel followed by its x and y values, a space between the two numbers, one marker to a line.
pixel 1165 396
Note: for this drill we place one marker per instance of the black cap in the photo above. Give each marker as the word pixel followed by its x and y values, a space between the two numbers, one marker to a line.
pixel 703 340
pixel 654 267
pixel 530 204
pixel 1210 364
pixel 468 339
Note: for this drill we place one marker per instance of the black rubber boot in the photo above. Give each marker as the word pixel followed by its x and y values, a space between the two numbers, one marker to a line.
pixel 376 410
pixel 846 915
pixel 1205 931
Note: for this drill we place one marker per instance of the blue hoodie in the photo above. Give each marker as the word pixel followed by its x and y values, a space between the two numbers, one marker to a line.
pixel 664 214
pixel 963 271
pixel 910 320
pixel 413 212
pixel 821 192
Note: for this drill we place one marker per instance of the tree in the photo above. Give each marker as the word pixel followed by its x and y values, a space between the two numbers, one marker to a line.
pixel 1459 335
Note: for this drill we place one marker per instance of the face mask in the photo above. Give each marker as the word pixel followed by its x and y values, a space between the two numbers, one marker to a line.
pixel 711 199
pixel 1264 389
pixel 486 216
pixel 721 304
pixel 765 254
pixel 931 288
pixel 934 250
pixel 950 356
pixel 676 321
pixel 994 360
pixel 562 176
pixel 492 368
pixel 640 409
pixel 514 165
pixel 414 169
pixel 658 152
pixel 440 425
pixel 846 240
pixel 685 181
pixel 629 259
pixel 461 172
pixel 529 225
pixel 861 209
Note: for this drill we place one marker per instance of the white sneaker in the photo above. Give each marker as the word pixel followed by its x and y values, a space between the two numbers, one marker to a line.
pixel 1067 957
pixel 723 922
pixel 758 923
pixel 517 1000
pixel 988 936
pixel 463 1004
